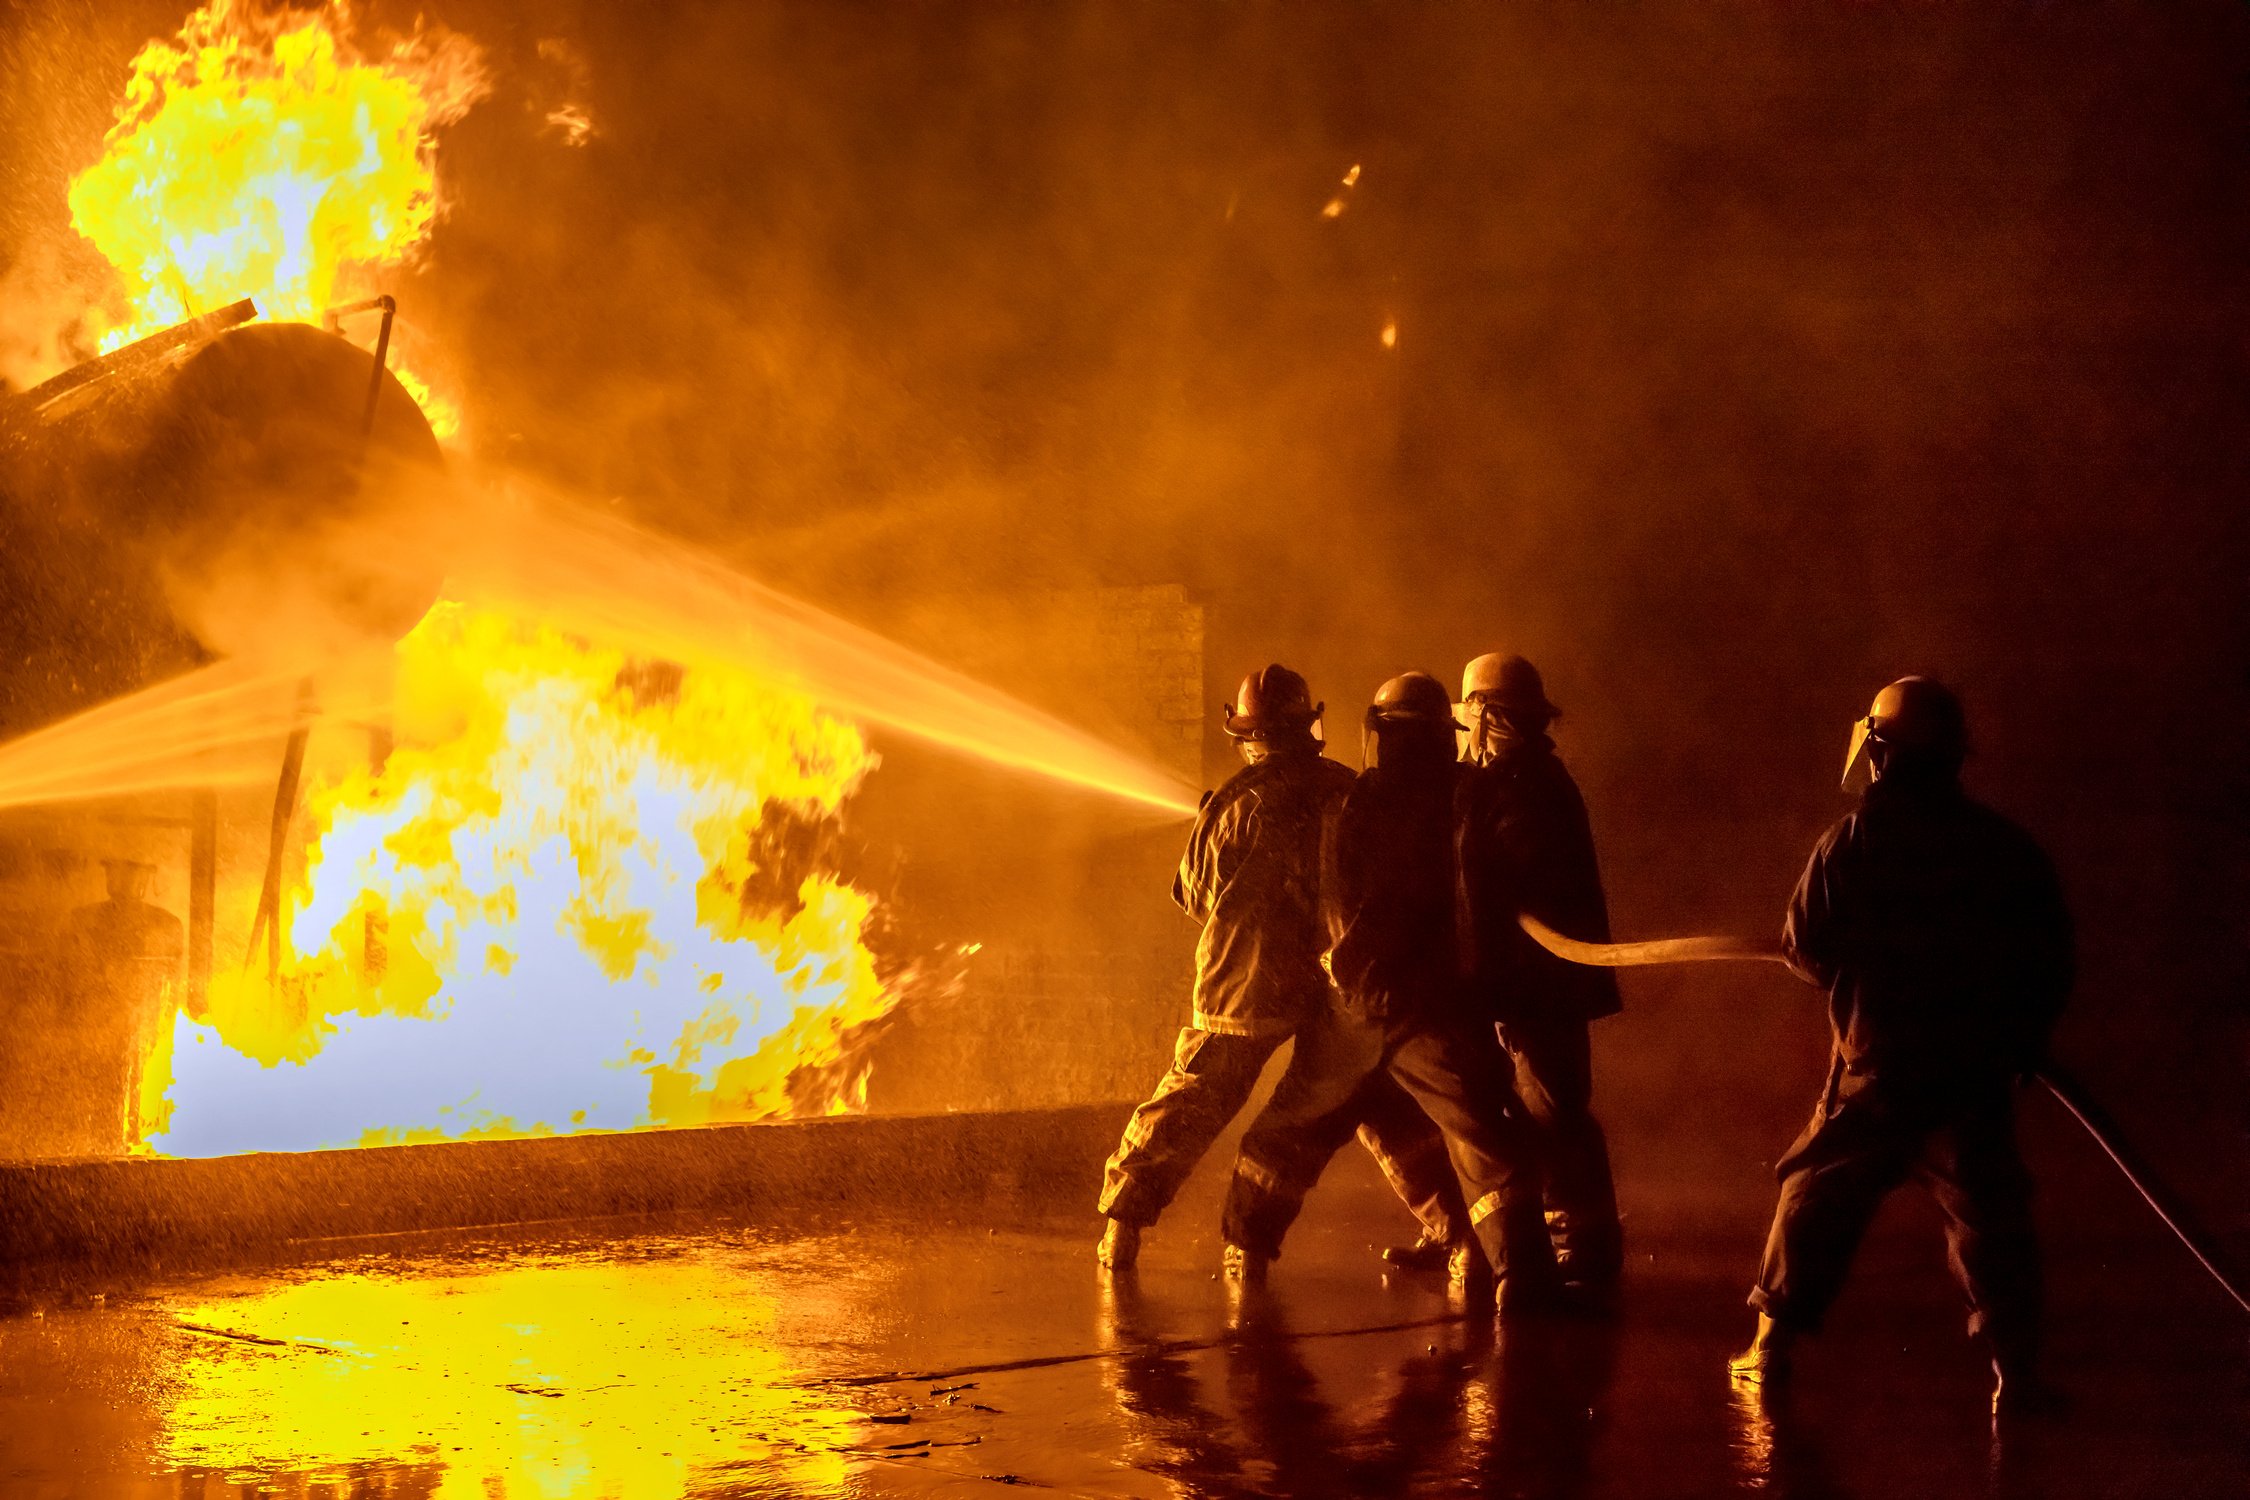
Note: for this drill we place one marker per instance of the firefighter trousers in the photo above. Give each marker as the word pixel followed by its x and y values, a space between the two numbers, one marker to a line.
pixel 1555 1080
pixel 1455 1074
pixel 1211 1077
pixel 1867 1138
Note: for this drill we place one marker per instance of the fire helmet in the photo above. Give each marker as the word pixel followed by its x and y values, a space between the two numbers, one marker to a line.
pixel 1510 685
pixel 1916 720
pixel 1411 696
pixel 1411 713
pixel 1272 701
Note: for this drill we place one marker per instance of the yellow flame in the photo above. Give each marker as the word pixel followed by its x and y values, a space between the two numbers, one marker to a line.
pixel 564 1377
pixel 442 412
pixel 261 156
pixel 582 919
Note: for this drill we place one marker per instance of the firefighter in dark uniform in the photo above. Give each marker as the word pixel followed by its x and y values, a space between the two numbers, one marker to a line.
pixel 1389 895
pixel 1527 847
pixel 1939 931
pixel 1251 876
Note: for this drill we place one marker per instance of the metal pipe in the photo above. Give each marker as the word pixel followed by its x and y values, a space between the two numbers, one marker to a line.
pixel 141 352
pixel 203 869
pixel 375 929
pixel 267 923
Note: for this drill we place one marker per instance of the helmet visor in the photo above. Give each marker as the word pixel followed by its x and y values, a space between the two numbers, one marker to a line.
pixel 1859 768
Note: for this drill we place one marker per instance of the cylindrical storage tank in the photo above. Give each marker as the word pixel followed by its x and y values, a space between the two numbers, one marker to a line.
pixel 212 492
pixel 225 498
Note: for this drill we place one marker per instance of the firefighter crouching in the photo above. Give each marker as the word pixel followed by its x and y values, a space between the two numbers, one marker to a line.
pixel 1251 877
pixel 1939 931
pixel 1389 897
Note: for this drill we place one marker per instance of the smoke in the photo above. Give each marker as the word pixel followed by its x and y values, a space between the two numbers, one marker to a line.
pixel 1742 361
pixel 529 551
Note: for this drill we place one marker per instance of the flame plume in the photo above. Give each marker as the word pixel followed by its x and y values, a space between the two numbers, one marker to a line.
pixel 263 156
pixel 585 925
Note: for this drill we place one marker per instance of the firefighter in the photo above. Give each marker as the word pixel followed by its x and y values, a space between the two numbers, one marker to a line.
pixel 1389 898
pixel 1939 931
pixel 1251 876
pixel 1526 846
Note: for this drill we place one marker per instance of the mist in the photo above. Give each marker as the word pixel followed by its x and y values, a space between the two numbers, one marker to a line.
pixel 1741 360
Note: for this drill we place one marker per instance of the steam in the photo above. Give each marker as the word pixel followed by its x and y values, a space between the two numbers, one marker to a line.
pixel 220 725
pixel 618 582
pixel 553 560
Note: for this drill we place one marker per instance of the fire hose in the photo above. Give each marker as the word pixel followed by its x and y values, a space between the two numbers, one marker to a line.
pixel 2067 1090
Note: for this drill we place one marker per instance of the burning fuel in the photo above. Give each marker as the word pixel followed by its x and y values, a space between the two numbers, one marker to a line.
pixel 261 155
pixel 568 896
pixel 494 1372
pixel 583 923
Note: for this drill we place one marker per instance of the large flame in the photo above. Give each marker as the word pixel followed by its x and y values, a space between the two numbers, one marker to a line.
pixel 564 902
pixel 262 156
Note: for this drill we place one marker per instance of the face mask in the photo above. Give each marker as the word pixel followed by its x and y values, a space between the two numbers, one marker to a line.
pixel 1487 734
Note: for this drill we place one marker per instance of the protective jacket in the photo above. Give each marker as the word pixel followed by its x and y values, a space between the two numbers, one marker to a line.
pixel 1526 846
pixel 1251 876
pixel 1939 931
pixel 1389 894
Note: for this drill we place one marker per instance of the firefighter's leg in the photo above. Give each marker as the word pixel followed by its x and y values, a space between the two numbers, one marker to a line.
pixel 1411 1152
pixel 1313 1112
pixel 1555 1079
pixel 1464 1083
pixel 1978 1177
pixel 1209 1081
pixel 1849 1157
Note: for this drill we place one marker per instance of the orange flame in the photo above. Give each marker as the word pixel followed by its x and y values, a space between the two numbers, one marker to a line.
pixel 263 157
pixel 585 926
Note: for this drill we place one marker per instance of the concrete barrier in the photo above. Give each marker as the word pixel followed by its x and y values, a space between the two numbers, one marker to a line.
pixel 153 1210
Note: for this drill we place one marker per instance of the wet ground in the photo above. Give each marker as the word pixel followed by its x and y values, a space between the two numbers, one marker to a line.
pixel 984 1352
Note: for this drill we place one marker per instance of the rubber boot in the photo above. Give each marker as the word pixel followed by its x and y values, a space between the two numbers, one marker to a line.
pixel 1522 1261
pixel 1429 1253
pixel 1120 1246
pixel 1767 1360
pixel 1244 1265
pixel 1469 1285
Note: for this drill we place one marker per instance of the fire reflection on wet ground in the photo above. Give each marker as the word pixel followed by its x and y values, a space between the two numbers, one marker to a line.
pixel 901 1356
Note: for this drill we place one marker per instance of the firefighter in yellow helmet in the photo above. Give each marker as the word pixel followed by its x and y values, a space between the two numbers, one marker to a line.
pixel 1528 847
pixel 1938 929
pixel 1402 1016
pixel 1251 877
